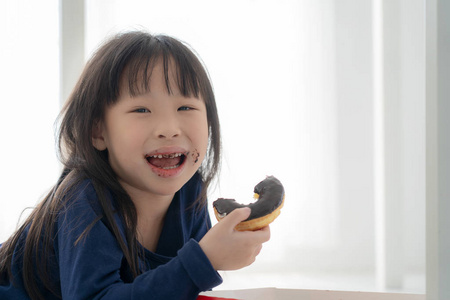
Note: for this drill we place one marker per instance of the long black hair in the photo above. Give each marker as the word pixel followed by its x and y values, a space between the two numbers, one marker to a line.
pixel 129 56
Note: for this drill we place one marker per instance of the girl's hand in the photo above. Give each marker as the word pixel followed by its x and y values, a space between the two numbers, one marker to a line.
pixel 229 249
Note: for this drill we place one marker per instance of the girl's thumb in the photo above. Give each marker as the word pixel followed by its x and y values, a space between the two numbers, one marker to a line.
pixel 236 216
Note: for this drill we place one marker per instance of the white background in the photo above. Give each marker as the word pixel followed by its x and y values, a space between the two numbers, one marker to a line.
pixel 295 84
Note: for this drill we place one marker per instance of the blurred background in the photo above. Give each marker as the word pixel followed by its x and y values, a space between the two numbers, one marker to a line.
pixel 326 95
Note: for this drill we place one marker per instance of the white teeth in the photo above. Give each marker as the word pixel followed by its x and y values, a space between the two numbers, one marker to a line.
pixel 169 168
pixel 172 155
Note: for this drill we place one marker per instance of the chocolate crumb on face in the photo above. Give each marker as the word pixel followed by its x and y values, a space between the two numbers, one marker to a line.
pixel 195 156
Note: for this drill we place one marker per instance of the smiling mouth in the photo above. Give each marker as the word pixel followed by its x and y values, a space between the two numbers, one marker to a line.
pixel 166 161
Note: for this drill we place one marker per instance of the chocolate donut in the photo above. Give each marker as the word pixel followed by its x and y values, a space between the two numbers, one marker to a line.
pixel 270 195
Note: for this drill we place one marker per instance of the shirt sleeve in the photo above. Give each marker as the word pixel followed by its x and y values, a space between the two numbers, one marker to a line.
pixel 90 267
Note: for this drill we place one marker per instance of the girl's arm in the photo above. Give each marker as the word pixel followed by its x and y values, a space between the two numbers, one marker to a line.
pixel 92 268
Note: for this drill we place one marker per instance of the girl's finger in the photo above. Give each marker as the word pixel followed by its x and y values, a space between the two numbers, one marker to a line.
pixel 236 216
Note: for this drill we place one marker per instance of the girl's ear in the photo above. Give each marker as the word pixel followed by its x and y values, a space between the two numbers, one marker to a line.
pixel 98 141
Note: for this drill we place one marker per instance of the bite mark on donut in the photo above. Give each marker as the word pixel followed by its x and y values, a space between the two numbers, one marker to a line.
pixel 270 199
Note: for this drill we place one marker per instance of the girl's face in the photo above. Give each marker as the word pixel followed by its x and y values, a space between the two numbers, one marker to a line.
pixel 156 141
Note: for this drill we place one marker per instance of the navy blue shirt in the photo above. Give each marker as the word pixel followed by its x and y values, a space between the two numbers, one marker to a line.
pixel 95 267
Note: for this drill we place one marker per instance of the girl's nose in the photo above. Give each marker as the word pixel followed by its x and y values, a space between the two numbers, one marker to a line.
pixel 168 135
pixel 168 127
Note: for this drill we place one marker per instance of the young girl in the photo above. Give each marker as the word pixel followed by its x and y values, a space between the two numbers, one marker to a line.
pixel 140 143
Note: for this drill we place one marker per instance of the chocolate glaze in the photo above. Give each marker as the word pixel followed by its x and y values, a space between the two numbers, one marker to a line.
pixel 271 194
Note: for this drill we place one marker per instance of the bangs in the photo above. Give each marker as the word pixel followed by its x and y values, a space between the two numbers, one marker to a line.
pixel 180 67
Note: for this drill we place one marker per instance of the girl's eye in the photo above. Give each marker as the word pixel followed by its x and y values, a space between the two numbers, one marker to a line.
pixel 184 108
pixel 141 110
